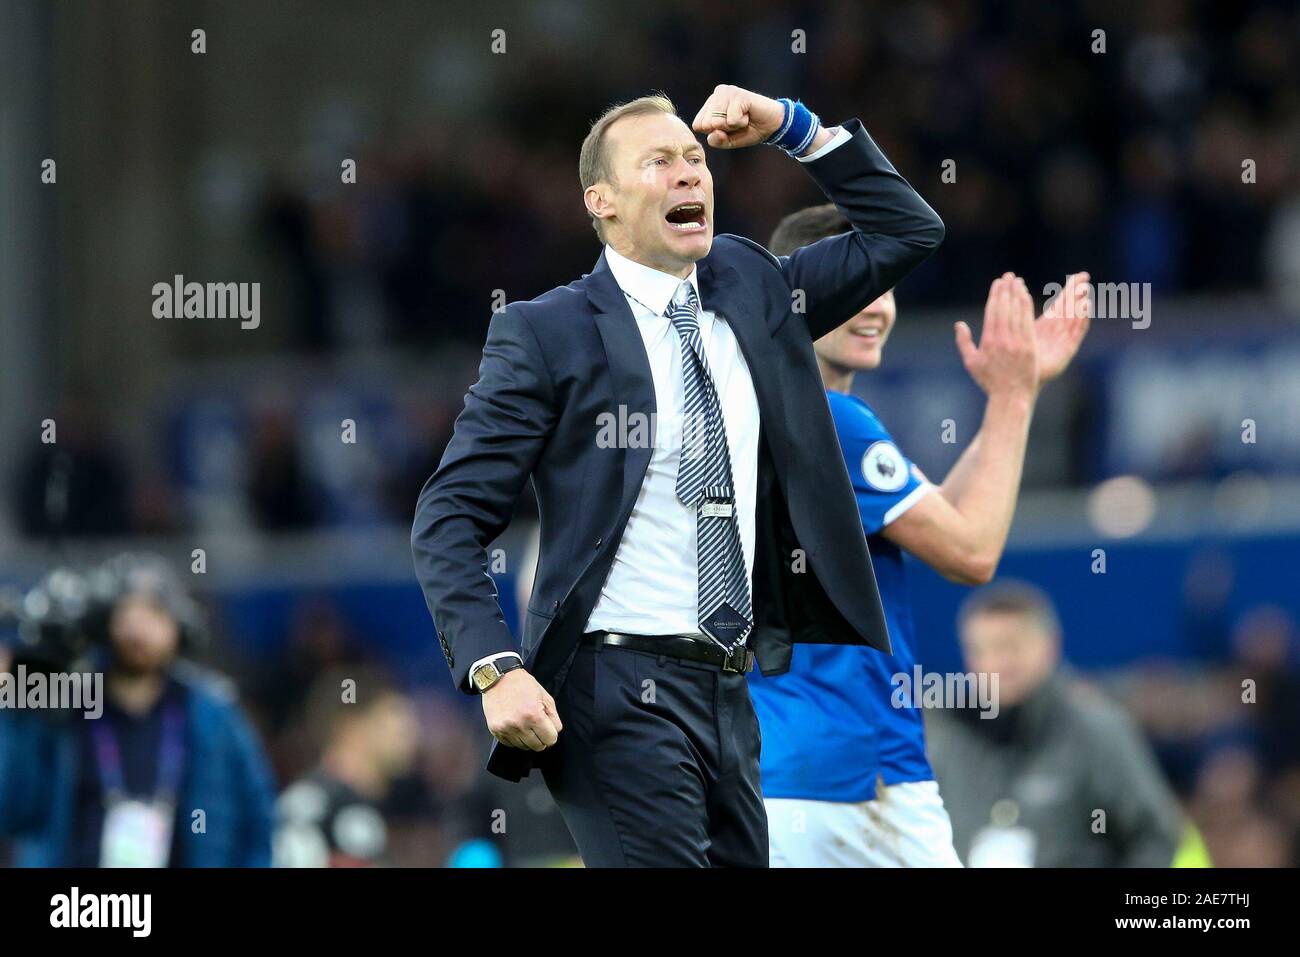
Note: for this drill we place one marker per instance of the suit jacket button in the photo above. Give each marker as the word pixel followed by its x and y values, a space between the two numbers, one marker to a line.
pixel 598 541
pixel 556 606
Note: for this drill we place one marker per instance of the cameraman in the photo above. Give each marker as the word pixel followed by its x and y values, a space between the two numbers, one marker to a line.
pixel 171 775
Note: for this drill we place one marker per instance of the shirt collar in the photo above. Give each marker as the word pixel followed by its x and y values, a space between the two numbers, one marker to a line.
pixel 650 287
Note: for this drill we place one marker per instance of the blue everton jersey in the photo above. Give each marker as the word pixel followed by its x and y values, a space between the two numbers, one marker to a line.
pixel 828 724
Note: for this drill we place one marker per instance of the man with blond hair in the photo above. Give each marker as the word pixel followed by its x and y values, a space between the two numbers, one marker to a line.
pixel 696 514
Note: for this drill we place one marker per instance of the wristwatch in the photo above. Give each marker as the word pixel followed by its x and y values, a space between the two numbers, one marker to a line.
pixel 489 673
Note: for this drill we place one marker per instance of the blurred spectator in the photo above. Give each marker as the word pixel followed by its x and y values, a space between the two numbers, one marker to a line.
pixel 508 824
pixel 368 737
pixel 282 493
pixel 1058 777
pixel 429 427
pixel 1264 642
pixel 1227 737
pixel 1225 805
pixel 124 789
pixel 286 226
pixel 320 638
pixel 75 485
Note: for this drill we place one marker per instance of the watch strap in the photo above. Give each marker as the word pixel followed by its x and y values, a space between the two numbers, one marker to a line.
pixel 500 666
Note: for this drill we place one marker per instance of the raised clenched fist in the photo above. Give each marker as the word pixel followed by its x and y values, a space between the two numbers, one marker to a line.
pixel 734 118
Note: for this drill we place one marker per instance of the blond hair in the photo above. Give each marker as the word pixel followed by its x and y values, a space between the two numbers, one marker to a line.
pixel 593 161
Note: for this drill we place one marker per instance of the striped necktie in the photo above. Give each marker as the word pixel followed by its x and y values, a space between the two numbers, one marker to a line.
pixel 704 483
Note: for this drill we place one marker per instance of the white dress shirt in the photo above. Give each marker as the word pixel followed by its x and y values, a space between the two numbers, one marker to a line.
pixel 653 585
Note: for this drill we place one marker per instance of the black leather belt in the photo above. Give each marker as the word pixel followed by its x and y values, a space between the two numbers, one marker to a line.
pixel 676 646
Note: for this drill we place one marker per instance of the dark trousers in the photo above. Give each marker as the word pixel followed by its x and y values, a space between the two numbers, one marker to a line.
pixel 657 765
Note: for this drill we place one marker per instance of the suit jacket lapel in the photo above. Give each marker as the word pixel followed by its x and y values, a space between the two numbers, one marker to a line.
pixel 723 293
pixel 629 369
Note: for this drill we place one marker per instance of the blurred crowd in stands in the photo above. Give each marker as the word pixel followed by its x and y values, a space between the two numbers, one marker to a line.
pixel 1041 152
pixel 1128 160
pixel 1228 736
pixel 273 478
pixel 393 775
pixel 1225 734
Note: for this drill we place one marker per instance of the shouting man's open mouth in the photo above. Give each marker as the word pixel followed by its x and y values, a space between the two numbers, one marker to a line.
pixel 686 217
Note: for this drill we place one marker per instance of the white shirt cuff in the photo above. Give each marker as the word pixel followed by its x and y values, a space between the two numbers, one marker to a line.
pixel 483 661
pixel 841 137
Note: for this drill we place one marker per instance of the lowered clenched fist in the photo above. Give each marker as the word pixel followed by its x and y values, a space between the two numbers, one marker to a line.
pixel 520 713
pixel 734 118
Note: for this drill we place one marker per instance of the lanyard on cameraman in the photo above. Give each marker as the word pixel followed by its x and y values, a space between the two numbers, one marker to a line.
pixel 170 762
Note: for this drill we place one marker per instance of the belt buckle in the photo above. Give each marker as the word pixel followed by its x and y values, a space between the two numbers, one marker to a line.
pixel 743 654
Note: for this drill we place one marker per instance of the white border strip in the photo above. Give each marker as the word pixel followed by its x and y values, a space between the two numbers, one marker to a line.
pixel 912 498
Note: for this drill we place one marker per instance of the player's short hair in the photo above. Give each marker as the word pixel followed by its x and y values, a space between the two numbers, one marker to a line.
pixel 325 709
pixel 1011 597
pixel 593 161
pixel 807 226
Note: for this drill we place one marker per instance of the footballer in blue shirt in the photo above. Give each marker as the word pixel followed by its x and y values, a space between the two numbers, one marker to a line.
pixel 844 772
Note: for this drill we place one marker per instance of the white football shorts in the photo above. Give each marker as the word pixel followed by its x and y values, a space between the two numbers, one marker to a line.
pixel 906 826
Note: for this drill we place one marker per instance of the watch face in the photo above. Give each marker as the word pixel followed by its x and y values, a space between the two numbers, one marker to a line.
pixel 485 675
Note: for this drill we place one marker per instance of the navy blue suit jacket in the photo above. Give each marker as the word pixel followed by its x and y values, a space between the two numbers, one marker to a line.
pixel 552 366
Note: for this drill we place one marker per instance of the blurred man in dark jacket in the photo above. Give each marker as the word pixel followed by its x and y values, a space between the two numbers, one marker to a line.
pixel 170 775
pixel 1057 776
pixel 367 734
